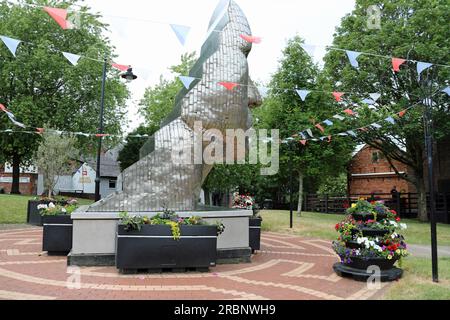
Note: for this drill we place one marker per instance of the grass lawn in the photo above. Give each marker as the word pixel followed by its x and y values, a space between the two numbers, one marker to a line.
pixel 416 282
pixel 13 208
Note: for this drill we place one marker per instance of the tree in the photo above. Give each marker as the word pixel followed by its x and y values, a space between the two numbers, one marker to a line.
pixel 158 101
pixel 155 106
pixel 40 86
pixel 284 110
pixel 130 152
pixel 54 158
pixel 417 30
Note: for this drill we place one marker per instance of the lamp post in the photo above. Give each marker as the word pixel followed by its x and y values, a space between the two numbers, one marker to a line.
pixel 428 125
pixel 291 187
pixel 129 76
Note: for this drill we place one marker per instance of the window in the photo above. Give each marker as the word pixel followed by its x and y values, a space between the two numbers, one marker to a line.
pixel 377 156
pixel 112 184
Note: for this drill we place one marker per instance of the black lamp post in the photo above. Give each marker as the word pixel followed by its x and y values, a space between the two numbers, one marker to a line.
pixel 428 125
pixel 129 76
pixel 291 187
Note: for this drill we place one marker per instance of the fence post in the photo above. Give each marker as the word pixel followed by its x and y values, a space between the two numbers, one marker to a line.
pixel 409 205
pixel 326 203
pixel 305 202
pixel 446 213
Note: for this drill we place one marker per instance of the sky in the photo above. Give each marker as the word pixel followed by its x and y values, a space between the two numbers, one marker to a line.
pixel 140 31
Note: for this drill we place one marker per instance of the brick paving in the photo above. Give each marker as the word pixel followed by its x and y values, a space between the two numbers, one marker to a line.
pixel 288 267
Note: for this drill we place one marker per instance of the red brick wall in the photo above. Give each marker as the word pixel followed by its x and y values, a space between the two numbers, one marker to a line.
pixel 362 163
pixel 24 188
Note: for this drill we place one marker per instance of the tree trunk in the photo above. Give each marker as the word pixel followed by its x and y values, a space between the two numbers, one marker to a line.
pixel 15 187
pixel 207 197
pixel 300 193
pixel 422 213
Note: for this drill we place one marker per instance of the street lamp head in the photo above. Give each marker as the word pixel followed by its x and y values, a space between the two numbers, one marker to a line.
pixel 129 75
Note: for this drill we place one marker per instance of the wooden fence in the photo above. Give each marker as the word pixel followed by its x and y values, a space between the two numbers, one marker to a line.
pixel 406 204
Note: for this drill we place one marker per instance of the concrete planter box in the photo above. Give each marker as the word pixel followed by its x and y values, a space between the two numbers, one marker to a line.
pixel 255 233
pixel 153 248
pixel 57 235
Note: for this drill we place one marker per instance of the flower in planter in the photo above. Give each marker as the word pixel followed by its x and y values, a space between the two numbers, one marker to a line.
pixel 56 209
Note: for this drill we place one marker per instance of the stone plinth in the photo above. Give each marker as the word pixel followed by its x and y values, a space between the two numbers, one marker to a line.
pixel 94 235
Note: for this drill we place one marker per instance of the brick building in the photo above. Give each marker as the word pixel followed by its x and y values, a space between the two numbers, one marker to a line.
pixel 369 172
pixel 28 179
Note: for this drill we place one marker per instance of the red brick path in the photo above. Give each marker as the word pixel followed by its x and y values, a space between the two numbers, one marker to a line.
pixel 288 267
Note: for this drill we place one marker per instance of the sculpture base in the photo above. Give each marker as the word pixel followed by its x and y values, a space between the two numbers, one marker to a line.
pixel 94 236
pixel 362 275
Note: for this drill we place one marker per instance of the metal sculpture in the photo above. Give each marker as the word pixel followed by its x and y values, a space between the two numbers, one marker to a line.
pixel 157 180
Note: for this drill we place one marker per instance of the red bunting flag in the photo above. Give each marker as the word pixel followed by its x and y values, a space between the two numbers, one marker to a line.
pixel 59 15
pixel 338 96
pixel 251 39
pixel 402 113
pixel 396 63
pixel 349 112
pixel 40 130
pixel 303 142
pixel 100 135
pixel 120 67
pixel 229 85
pixel 3 108
pixel 329 139
pixel 318 126
pixel 363 129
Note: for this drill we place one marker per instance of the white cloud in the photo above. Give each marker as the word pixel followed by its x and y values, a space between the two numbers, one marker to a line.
pixel 143 38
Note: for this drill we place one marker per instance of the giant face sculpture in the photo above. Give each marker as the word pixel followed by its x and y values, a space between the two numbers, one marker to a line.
pixel 156 181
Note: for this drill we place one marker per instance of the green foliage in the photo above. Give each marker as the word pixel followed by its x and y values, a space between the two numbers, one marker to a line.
pixel 41 87
pixel 334 185
pixel 416 30
pixel 130 152
pixel 158 101
pixel 54 158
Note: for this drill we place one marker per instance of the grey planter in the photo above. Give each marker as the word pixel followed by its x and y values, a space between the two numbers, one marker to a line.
pixel 153 248
pixel 57 235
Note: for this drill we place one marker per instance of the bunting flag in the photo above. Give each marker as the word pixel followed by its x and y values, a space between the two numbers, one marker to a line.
pixel 303 94
pixel 11 43
pixel 181 32
pixel 352 133
pixel 251 39
pixel 120 67
pixel 329 139
pixel 304 142
pixel 339 117
pixel 390 120
pixel 310 133
pixel 59 15
pixel 187 81
pixel 343 134
pixel 309 49
pixel 229 85
pixel 349 112
pixel 376 126
pixel 368 101
pixel 303 135
pixel 338 96
pixel 328 122
pixel 73 58
pixel 421 66
pixel 447 90
pixel 318 126
pixel 39 130
pixel 375 96
pixel 402 113
pixel 11 116
pixel 101 135
pixel 352 56
pixel 396 63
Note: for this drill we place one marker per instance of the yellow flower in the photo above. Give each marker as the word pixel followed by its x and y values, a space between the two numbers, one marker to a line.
pixel 398 251
pixel 354 205
pixel 389 257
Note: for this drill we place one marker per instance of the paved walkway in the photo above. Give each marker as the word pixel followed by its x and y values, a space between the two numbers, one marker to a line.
pixel 288 267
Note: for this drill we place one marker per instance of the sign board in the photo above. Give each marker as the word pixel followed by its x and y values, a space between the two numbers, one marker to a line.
pixel 9 180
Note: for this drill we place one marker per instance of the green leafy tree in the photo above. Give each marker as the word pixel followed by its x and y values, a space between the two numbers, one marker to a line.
pixel 130 152
pixel 158 101
pixel 412 29
pixel 54 158
pixel 40 86
pixel 285 111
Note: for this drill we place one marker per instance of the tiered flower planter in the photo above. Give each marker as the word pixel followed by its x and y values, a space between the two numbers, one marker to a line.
pixel 361 266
